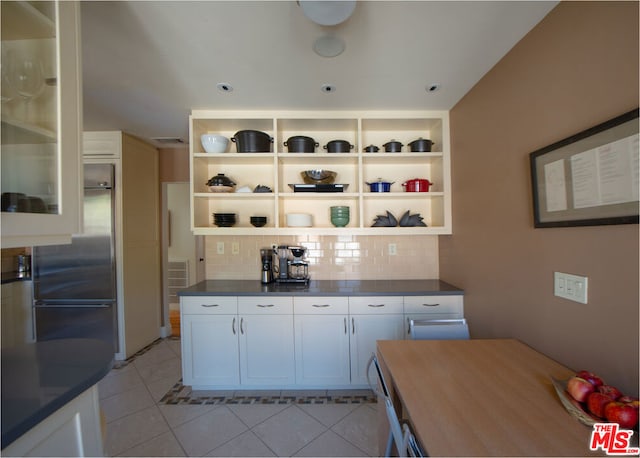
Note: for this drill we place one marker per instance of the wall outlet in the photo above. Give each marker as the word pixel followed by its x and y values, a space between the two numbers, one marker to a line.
pixel 393 249
pixel 235 247
pixel 569 286
pixel 220 247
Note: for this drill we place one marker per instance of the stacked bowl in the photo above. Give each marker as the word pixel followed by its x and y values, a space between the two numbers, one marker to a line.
pixel 340 216
pixel 224 219
pixel 258 221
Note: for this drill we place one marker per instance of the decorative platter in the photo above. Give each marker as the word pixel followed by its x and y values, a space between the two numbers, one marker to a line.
pixel 573 407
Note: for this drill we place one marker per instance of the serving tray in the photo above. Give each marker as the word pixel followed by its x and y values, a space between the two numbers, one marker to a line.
pixel 573 407
pixel 319 187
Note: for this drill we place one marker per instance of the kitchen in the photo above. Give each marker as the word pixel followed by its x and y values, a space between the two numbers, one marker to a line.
pixel 531 98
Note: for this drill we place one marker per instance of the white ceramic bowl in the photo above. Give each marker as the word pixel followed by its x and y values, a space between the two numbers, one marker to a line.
pixel 299 220
pixel 213 143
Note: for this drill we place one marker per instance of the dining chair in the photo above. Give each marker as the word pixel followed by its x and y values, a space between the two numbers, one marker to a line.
pixel 400 434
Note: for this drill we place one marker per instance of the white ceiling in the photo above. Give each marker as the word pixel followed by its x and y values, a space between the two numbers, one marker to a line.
pixel 147 64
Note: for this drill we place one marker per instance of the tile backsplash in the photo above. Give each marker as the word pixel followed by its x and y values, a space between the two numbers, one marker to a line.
pixel 329 257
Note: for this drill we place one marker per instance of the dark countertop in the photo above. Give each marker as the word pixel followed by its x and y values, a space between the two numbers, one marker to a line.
pixel 10 277
pixel 42 377
pixel 323 288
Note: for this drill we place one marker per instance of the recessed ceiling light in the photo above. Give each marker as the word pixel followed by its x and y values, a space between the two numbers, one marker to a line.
pixel 329 46
pixel 432 87
pixel 224 87
pixel 328 88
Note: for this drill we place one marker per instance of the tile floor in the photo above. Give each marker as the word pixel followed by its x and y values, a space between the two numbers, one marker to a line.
pixel 139 424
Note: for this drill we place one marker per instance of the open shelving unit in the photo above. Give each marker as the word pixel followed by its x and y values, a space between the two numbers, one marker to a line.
pixel 278 169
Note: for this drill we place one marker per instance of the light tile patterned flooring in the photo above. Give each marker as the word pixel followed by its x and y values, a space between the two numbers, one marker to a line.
pixel 139 424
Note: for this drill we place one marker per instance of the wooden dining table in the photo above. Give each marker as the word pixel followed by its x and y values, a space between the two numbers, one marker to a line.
pixel 480 397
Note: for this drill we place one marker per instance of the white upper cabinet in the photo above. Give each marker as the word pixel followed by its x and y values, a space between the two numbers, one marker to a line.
pixel 41 123
pixel 279 170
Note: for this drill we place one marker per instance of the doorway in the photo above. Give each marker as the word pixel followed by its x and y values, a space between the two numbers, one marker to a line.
pixel 182 252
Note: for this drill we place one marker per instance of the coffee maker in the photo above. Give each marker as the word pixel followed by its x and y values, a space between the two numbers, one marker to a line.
pixel 291 266
pixel 266 257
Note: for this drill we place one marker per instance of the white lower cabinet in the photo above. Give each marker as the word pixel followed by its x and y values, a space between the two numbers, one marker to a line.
pixel 210 350
pixel 266 341
pixel 314 342
pixel 322 341
pixel 229 341
pixel 372 319
pixel 72 430
pixel 209 330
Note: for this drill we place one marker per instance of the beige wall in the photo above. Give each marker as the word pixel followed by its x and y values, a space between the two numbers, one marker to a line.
pixel 576 69
pixel 174 164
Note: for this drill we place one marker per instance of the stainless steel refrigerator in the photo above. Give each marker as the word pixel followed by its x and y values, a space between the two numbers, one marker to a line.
pixel 74 286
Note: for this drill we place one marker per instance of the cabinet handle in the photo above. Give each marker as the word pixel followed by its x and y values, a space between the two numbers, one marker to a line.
pixel 345 324
pixel 233 326
pixel 408 326
pixel 431 305
pixel 241 325
pixel 353 325
pixel 264 305
pixel 209 305
pixel 320 305
pixel 376 305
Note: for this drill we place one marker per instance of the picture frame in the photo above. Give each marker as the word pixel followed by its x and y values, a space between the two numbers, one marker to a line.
pixel 590 178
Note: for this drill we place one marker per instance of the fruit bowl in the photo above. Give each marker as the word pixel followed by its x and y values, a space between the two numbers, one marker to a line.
pixel 573 407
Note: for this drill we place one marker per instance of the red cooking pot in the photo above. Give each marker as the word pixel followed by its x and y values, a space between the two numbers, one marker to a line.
pixel 417 185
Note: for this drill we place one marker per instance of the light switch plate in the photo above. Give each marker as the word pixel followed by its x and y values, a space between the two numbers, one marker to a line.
pixel 569 286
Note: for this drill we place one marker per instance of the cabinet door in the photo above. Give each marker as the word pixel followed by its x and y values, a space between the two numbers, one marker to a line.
pixel 41 123
pixel 322 350
pixel 266 350
pixel 365 331
pixel 210 350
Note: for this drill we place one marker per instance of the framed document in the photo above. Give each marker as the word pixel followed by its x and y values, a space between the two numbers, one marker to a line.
pixel 589 179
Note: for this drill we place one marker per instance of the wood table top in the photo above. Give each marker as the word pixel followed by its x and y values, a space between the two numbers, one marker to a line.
pixel 482 398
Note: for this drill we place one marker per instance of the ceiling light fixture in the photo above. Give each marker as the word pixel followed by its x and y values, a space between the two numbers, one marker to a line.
pixel 329 46
pixel 332 12
pixel 328 88
pixel 224 87
pixel 432 87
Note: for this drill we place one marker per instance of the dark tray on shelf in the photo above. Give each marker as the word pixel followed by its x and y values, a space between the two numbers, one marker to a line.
pixel 319 187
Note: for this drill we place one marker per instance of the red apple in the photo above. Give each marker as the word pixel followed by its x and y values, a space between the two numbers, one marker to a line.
pixel 630 400
pixel 610 391
pixel 590 377
pixel 618 412
pixel 596 403
pixel 579 388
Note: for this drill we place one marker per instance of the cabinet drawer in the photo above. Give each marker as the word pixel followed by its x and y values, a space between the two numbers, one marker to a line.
pixel 321 305
pixel 434 304
pixel 368 305
pixel 209 305
pixel 256 305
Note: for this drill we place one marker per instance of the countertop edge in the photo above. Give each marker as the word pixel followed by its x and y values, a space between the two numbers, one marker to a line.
pixel 40 414
pixel 428 287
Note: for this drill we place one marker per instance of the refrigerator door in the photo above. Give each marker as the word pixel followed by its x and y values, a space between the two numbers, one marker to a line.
pixel 80 275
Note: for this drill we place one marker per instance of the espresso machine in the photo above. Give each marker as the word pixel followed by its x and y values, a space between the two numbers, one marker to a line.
pixel 291 266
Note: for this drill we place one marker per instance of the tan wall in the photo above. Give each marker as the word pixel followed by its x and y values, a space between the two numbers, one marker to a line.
pixel 576 69
pixel 174 164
